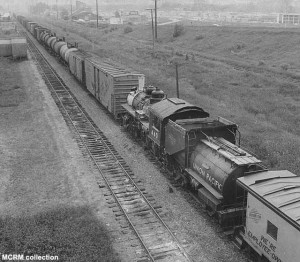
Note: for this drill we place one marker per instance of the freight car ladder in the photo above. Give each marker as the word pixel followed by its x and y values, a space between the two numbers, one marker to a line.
pixel 192 142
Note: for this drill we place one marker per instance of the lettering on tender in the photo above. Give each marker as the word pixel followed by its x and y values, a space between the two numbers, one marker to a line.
pixel 208 177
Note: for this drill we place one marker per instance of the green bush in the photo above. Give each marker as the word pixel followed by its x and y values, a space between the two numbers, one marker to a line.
pixel 127 29
pixel 285 67
pixel 199 37
pixel 178 30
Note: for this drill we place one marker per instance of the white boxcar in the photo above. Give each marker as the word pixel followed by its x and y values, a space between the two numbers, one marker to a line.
pixel 273 214
pixel 110 84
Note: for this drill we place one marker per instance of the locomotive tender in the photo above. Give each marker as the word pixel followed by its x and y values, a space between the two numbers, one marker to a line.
pixel 202 153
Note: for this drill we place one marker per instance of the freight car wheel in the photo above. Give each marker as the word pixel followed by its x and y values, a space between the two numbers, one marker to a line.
pixel 136 132
pixel 167 162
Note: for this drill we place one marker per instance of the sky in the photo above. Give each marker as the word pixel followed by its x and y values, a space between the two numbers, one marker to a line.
pixel 21 4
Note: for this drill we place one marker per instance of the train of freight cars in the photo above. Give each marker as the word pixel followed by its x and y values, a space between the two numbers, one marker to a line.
pixel 202 153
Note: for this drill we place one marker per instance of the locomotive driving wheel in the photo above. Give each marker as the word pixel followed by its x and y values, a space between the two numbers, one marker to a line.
pixel 179 176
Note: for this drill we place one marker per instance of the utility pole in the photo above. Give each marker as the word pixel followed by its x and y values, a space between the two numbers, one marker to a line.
pixel 97 13
pixel 71 10
pixel 56 10
pixel 152 23
pixel 155 19
pixel 177 82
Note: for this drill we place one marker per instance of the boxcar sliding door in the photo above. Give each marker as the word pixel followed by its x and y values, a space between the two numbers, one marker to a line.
pixel 98 85
pixel 95 81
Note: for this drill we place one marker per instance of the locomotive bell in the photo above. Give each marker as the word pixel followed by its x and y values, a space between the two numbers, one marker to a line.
pixel 149 90
pixel 157 95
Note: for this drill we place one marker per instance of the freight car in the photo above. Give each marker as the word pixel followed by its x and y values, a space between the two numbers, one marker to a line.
pixel 110 84
pixel 272 224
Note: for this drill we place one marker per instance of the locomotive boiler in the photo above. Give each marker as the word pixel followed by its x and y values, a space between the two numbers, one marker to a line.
pixel 142 99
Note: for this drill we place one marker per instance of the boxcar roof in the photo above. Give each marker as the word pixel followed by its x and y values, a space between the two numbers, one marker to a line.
pixel 109 68
pixel 170 106
pixel 80 54
pixel 279 190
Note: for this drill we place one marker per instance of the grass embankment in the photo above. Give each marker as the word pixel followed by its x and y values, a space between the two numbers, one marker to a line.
pixel 264 102
pixel 72 234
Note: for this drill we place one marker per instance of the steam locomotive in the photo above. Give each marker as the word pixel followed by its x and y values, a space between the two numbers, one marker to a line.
pixel 199 151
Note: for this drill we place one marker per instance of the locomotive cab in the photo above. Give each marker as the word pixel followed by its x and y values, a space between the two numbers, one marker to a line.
pixel 173 109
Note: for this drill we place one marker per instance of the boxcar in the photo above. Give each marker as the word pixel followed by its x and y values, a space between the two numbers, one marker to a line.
pixel 272 226
pixel 30 26
pixel 111 84
pixel 76 65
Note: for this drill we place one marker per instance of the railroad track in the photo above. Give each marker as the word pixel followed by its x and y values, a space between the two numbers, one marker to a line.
pixel 133 207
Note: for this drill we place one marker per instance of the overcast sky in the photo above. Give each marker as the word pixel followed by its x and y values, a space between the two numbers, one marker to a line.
pixel 23 3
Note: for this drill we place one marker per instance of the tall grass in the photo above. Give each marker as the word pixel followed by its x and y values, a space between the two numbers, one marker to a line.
pixel 71 233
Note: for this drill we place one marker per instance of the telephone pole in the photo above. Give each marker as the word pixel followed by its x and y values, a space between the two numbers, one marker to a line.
pixel 97 13
pixel 71 10
pixel 152 28
pixel 177 81
pixel 56 10
pixel 155 11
